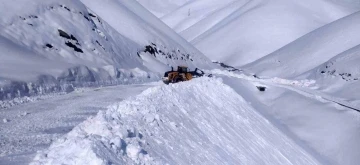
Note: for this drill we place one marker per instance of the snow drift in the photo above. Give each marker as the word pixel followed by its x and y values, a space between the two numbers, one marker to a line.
pixel 198 122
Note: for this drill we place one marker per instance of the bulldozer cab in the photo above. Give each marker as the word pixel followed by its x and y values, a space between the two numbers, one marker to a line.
pixel 182 69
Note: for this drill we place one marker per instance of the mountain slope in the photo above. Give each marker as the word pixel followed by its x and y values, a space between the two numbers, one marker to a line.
pixel 240 32
pixel 340 75
pixel 162 7
pixel 311 50
pixel 124 43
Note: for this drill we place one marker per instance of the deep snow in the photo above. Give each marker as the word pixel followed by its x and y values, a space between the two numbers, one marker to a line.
pixel 199 122
pixel 34 126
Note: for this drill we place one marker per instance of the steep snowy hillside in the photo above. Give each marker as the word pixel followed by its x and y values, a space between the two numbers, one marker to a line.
pixel 313 49
pixel 174 125
pixel 18 63
pixel 52 43
pixel 340 75
pixel 239 32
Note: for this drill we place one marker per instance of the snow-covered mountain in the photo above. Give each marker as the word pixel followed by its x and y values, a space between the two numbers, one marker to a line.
pixel 249 29
pixel 288 93
pixel 329 55
pixel 88 41
pixel 311 50
pixel 273 38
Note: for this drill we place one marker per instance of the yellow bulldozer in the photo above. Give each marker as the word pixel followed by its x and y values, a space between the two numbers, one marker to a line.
pixel 182 74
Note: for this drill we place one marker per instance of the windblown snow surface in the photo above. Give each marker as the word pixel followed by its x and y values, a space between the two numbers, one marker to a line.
pixel 199 122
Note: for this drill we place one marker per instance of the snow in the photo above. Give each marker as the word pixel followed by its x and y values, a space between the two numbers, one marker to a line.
pixel 30 127
pixel 162 7
pixel 326 126
pixel 6 120
pixel 57 56
pixel 239 32
pixel 339 76
pixel 311 50
pixel 199 122
pixel 27 63
pixel 54 45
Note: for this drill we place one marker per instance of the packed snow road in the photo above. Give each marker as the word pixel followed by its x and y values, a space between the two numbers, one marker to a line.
pixel 27 128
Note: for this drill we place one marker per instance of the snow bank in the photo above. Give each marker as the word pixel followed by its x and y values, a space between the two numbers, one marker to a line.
pixel 198 122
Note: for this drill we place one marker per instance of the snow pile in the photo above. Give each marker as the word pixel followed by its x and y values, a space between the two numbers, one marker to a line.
pixel 238 32
pixel 198 122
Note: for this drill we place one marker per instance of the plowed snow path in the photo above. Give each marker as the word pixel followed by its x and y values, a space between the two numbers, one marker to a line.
pixel 34 126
